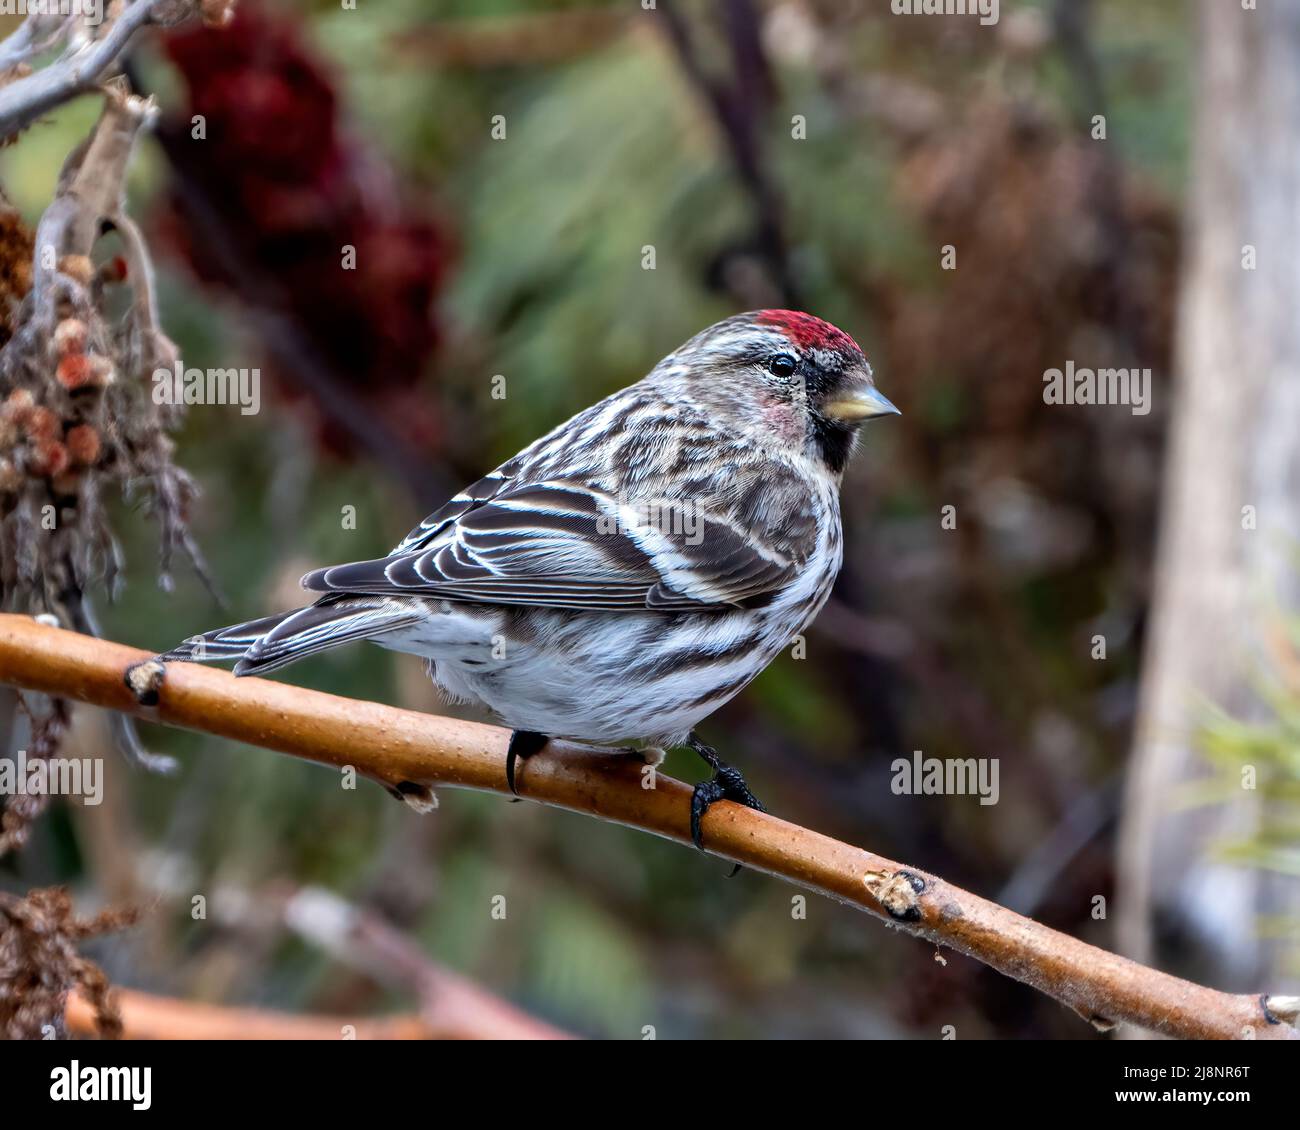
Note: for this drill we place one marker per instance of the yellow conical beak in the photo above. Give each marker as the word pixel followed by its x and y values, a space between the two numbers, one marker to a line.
pixel 860 404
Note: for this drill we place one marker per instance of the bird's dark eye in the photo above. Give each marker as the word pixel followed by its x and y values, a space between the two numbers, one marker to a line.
pixel 782 365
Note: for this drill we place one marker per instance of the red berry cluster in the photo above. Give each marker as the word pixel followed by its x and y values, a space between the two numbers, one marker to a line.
pixel 55 445
pixel 284 191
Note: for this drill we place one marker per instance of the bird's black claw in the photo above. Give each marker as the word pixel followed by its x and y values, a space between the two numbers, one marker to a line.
pixel 706 792
pixel 725 784
pixel 523 744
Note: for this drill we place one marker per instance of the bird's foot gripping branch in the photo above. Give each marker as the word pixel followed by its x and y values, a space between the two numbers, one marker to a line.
pixel 409 753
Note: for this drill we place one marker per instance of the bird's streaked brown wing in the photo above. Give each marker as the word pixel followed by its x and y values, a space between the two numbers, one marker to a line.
pixel 565 544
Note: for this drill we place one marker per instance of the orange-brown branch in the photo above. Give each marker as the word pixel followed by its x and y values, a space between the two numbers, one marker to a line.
pixel 147 1017
pixel 409 752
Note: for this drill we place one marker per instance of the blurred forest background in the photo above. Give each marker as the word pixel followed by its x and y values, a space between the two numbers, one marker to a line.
pixel 819 154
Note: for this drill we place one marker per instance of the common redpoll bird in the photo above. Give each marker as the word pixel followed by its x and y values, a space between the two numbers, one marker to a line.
pixel 628 573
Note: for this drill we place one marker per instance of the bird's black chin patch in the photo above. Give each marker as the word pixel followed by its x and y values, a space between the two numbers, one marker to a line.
pixel 833 442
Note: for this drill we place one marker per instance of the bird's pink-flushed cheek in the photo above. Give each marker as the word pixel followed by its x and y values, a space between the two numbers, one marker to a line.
pixel 781 418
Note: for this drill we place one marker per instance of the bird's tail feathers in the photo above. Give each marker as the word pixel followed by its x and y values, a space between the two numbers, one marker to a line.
pixel 223 643
pixel 261 646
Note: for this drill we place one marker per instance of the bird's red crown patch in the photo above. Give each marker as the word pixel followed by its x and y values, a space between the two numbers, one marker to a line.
pixel 808 332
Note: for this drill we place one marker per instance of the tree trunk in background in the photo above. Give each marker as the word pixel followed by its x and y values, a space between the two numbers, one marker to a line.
pixel 1221 588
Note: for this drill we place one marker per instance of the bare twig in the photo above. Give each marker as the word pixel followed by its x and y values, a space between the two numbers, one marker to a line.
pixel 409 752
pixel 739 104
pixel 362 940
pixel 34 36
pixel 148 1017
pixel 1039 873
pixel 90 192
pixel 22 102
pixel 370 945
